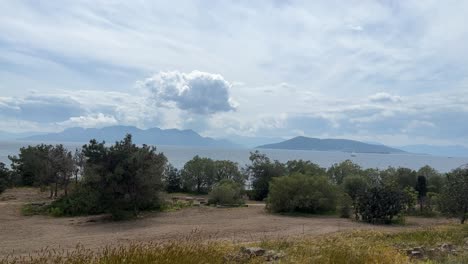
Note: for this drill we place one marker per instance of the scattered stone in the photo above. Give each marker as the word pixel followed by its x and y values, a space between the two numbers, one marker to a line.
pixel 253 251
pixel 247 253
pixel 416 254
pixel 447 247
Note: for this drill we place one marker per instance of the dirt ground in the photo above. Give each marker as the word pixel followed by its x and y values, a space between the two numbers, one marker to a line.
pixel 20 235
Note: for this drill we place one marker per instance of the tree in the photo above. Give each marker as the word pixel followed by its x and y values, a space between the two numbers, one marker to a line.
pixel 301 193
pixel 228 170
pixel 61 168
pixel 454 198
pixel 421 188
pixel 260 172
pixel 126 178
pixel 198 175
pixel 355 187
pixel 339 171
pixel 304 167
pixel 227 192
pixel 172 179
pixel 79 163
pixel 380 203
pixel 4 177
pixel 32 165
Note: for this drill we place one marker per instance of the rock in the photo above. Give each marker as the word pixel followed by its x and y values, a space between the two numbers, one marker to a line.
pixel 253 251
pixel 416 254
pixel 447 247
pixel 272 255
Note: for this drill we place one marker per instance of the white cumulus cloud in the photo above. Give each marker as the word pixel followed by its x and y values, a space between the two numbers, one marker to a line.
pixel 197 92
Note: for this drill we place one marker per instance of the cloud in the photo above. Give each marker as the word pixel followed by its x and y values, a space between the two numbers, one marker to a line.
pixel 40 108
pixel 384 98
pixel 90 121
pixel 197 92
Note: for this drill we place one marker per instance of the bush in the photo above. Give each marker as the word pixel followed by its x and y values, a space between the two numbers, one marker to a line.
pixel 82 201
pixel 226 192
pixel 379 204
pixel 301 193
pixel 345 204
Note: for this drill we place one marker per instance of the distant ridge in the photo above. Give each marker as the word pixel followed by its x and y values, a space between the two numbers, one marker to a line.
pixel 344 145
pixel 152 136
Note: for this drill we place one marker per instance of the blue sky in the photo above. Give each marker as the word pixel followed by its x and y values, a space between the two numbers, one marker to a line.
pixel 389 71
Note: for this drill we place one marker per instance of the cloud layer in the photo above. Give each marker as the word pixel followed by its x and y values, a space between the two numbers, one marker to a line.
pixel 389 71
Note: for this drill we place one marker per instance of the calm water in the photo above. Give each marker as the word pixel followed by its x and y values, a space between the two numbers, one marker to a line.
pixel 179 155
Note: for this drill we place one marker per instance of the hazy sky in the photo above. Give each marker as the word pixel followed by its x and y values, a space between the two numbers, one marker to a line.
pixel 389 71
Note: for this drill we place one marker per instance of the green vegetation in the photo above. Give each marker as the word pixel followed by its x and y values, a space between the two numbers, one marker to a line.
pixel 454 199
pixel 4 177
pixel 124 179
pixel 261 171
pixel 199 175
pixel 340 248
pixel 301 193
pixel 226 192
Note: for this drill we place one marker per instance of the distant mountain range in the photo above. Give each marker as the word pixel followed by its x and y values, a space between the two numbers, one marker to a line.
pixel 447 151
pixel 345 145
pixel 152 136
pixel 157 136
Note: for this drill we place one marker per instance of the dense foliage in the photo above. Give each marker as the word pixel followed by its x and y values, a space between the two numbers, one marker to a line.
pixel 302 193
pixel 455 194
pixel 380 204
pixel 261 172
pixel 226 192
pixel 200 174
pixel 4 177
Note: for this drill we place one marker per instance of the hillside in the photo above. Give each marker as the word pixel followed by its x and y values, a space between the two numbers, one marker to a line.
pixel 152 136
pixel 345 145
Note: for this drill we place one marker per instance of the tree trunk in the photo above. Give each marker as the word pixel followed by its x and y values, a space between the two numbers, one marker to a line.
pixel 56 188
pixel 51 191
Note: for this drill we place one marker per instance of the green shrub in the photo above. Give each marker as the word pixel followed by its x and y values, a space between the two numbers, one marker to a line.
pixel 82 201
pixel 301 193
pixel 379 204
pixel 345 204
pixel 226 192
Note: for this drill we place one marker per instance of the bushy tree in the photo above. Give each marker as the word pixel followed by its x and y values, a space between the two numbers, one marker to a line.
pixel 339 171
pixel 261 171
pixel 302 193
pixel 127 178
pixel 32 165
pixel 172 179
pixel 454 198
pixel 421 188
pixel 198 175
pixel 228 170
pixel 355 186
pixel 304 167
pixel 226 192
pixel 44 165
pixel 4 177
pixel 381 203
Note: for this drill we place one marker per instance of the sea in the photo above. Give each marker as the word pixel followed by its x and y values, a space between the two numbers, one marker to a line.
pixel 179 155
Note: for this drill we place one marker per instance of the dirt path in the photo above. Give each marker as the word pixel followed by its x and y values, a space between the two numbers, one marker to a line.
pixel 26 234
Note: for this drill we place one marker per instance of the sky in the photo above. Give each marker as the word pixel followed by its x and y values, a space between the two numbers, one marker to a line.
pixel 394 72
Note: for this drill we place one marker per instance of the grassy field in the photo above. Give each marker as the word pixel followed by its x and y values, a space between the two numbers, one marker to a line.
pixel 342 247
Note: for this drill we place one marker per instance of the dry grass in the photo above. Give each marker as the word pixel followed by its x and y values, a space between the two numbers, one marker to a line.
pixel 343 247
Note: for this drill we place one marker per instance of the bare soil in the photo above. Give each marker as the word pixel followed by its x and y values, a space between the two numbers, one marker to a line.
pixel 20 235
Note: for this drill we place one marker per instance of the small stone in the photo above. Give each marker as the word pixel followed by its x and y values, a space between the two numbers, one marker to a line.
pixel 253 251
pixel 416 254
